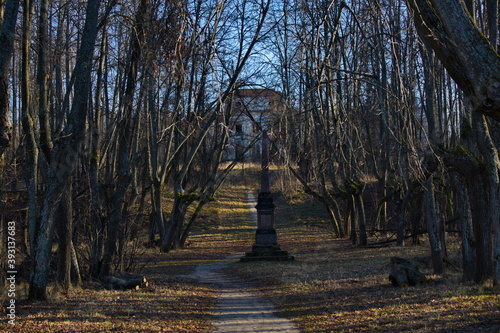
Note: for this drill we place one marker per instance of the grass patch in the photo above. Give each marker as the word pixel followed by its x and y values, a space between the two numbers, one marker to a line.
pixel 174 302
pixel 333 286
pixel 170 305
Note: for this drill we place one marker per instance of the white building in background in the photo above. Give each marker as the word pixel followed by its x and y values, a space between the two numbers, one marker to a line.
pixel 252 111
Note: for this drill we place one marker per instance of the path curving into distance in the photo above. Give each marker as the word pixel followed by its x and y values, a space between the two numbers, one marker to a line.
pixel 239 310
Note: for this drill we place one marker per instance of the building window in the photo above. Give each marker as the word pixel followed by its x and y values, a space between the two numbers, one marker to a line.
pixel 239 129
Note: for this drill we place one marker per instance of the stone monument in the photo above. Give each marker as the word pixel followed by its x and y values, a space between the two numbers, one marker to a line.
pixel 266 240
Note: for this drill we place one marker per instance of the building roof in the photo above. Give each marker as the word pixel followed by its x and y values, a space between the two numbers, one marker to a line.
pixel 267 93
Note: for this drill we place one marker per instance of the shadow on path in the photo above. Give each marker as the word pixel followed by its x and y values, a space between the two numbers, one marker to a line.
pixel 239 310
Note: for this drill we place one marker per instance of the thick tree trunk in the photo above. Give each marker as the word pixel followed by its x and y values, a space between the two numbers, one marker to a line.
pixel 44 239
pixel 464 51
pixel 491 202
pixel 6 45
pixel 171 239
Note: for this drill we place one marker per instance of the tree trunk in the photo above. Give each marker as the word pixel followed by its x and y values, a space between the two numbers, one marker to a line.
pixel 362 238
pixel 433 228
pixel 64 218
pixel 171 239
pixel 7 34
pixel 3 246
pixel 117 201
pixel 125 140
pixel 96 217
pixel 42 79
pixel 490 224
pixel 31 154
pixel 190 224
pixel 156 217
pixel 353 219
pixel 462 208
pixel 65 153
pixel 463 50
pixel 76 275
pixel 401 230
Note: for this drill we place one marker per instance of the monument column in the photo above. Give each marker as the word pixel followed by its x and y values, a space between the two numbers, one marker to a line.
pixel 266 240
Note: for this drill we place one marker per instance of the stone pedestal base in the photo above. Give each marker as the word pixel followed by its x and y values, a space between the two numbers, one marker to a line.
pixel 266 248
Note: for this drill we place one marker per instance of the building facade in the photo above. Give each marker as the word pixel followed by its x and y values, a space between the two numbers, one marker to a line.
pixel 252 110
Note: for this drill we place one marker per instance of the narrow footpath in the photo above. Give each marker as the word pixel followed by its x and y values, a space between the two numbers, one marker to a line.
pixel 240 310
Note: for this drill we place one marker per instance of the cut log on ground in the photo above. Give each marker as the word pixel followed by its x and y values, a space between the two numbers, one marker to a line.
pixel 114 283
pixel 405 273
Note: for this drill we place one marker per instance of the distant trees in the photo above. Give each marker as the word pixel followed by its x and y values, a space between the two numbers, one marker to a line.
pixel 471 58
pixel 123 101
pixel 378 131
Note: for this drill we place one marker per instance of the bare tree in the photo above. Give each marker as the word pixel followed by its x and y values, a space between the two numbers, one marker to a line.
pixel 65 152
pixel 450 28
pixel 250 33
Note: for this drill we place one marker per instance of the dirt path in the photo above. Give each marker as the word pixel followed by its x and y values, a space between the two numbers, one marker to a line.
pixel 239 310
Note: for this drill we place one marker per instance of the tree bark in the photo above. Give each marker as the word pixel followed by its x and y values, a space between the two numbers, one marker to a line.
pixel 42 79
pixel 462 207
pixel 463 50
pixel 171 239
pixel 491 202
pixel 96 216
pixel 433 228
pixel 360 207
pixel 31 154
pixel 65 237
pixel 7 46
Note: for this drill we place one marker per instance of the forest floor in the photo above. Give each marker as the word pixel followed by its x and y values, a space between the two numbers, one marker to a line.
pixel 331 286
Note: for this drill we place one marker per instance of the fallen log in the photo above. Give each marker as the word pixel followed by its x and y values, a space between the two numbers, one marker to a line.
pixel 114 283
pixel 405 273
